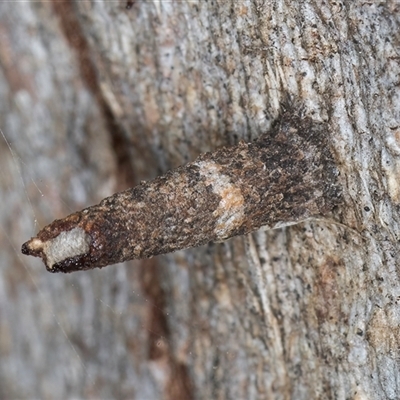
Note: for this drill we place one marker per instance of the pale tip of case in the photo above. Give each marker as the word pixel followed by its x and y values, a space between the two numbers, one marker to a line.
pixel 32 246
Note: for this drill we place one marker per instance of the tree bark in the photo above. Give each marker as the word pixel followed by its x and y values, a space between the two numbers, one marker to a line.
pixel 95 98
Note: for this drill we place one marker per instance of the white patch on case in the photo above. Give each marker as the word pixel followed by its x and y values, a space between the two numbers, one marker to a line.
pixel 66 245
pixel 230 211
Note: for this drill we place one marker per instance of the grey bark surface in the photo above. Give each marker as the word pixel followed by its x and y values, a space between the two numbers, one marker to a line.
pixel 95 98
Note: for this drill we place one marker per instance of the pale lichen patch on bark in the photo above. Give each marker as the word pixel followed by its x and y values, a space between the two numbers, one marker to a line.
pixel 391 168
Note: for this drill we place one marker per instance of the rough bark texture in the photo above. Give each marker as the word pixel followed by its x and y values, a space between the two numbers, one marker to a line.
pixel 95 97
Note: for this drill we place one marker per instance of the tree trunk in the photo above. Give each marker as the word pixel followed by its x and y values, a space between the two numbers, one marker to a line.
pixel 95 98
